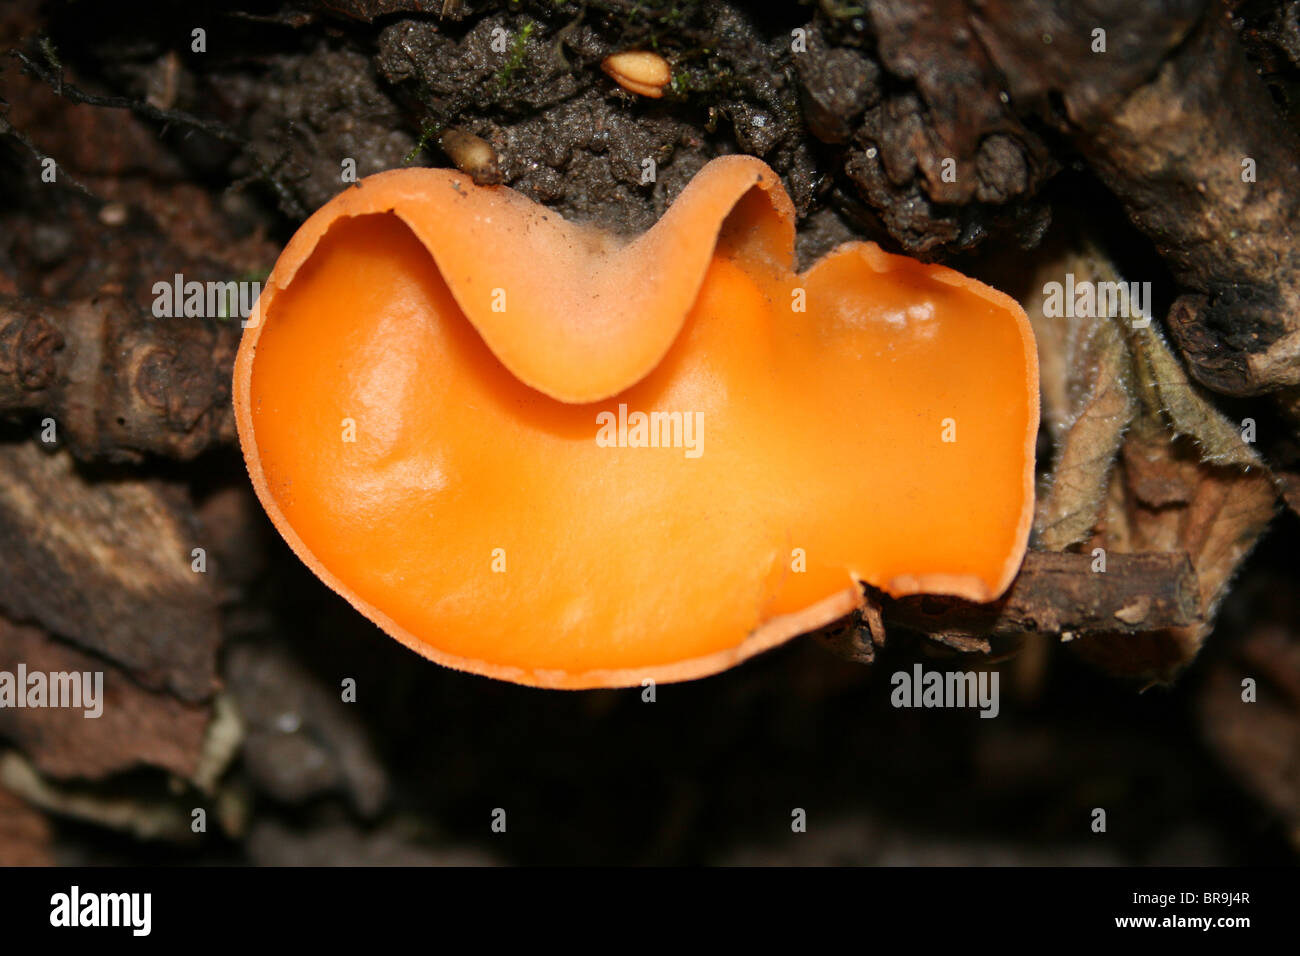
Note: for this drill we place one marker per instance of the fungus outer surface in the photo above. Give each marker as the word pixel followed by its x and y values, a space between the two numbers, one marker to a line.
pixel 492 507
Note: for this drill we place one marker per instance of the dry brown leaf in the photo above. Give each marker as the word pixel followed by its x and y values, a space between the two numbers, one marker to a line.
pixel 1165 388
pixel 1187 481
pixel 1087 405
pixel 1164 498
pixel 1143 460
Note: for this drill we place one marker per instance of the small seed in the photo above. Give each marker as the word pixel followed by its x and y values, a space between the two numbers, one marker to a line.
pixel 640 71
pixel 472 155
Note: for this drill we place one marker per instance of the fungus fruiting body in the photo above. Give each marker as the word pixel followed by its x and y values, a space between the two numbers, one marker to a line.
pixel 534 450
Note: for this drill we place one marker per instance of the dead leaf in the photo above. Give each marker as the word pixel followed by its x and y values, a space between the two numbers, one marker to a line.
pixel 1087 404
pixel 1143 462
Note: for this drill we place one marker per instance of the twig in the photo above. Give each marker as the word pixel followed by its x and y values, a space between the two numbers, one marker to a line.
pixel 166 390
pixel 1062 594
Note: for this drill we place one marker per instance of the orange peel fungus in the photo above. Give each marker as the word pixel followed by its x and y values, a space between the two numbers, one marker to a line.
pixel 532 450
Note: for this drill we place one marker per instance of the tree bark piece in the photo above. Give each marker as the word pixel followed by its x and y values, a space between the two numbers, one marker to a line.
pixel 1175 120
pixel 108 565
pixel 135 727
pixel 25 833
pixel 1061 594
pixel 118 383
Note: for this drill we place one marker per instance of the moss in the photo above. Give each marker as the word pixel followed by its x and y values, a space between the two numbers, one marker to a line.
pixel 516 56
pixel 837 11
pixel 428 132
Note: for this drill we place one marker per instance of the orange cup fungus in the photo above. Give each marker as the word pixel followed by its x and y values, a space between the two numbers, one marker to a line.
pixel 536 451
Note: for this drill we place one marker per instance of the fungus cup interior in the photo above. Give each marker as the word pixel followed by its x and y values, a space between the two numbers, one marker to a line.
pixel 530 450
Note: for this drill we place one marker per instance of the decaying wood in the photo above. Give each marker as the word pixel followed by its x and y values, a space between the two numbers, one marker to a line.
pixel 1055 594
pixel 134 727
pixel 158 816
pixel 940 155
pixel 108 565
pixel 25 833
pixel 117 382
pixel 1176 121
pixel 54 75
pixel 1061 594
